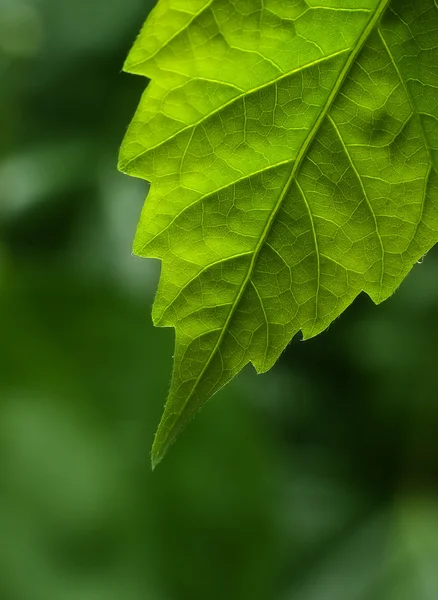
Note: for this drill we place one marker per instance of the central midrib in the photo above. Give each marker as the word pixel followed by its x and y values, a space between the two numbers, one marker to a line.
pixel 381 8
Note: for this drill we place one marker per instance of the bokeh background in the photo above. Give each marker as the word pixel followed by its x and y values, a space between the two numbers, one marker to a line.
pixel 316 481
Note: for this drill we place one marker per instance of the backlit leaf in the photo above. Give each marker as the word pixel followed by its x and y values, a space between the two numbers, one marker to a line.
pixel 292 148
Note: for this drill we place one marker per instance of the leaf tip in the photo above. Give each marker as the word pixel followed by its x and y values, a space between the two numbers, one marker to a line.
pixel 161 444
pixel 155 461
pixel 170 426
pixel 158 452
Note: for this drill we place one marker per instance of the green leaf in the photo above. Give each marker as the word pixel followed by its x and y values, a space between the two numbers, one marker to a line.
pixel 292 147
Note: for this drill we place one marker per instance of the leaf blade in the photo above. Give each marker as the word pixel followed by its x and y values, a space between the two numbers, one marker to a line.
pixel 239 183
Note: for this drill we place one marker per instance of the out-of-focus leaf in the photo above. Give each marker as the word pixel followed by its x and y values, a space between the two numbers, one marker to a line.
pixel 50 170
pixel 80 511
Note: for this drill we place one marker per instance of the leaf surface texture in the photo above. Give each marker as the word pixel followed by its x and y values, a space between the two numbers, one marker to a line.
pixel 292 148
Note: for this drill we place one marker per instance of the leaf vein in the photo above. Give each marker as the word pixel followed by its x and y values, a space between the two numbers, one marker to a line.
pixel 220 108
pixel 368 201
pixel 408 94
pixel 266 319
pixel 317 254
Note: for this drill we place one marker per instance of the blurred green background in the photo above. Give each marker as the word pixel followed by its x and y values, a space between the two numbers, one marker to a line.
pixel 317 481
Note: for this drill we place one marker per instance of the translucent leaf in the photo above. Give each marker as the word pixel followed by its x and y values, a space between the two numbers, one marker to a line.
pixel 292 148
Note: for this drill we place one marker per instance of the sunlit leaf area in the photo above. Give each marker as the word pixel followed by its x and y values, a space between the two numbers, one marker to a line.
pixel 315 481
pixel 292 168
